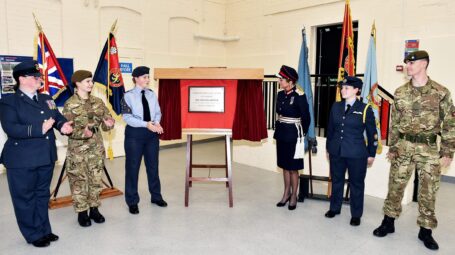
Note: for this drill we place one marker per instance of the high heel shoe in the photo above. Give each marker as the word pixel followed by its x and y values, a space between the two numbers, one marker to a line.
pixel 292 207
pixel 281 204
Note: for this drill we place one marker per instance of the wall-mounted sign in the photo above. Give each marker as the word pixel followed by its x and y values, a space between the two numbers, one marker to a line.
pixel 410 46
pixel 206 99
pixel 126 67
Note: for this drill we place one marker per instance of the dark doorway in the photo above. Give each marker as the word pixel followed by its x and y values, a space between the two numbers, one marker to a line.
pixel 328 40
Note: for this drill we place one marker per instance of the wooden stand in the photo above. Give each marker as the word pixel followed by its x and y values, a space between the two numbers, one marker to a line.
pixel 55 203
pixel 189 179
pixel 303 189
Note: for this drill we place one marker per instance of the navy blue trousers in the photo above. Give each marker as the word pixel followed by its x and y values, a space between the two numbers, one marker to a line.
pixel 141 142
pixel 357 169
pixel 29 188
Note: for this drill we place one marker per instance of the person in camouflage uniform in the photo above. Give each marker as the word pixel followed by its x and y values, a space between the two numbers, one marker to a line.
pixel 422 111
pixel 85 155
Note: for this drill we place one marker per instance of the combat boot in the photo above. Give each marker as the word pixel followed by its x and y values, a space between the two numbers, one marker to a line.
pixel 427 239
pixel 83 219
pixel 96 216
pixel 387 226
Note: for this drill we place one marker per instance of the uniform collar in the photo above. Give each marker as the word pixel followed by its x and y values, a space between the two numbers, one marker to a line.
pixel 424 89
pixel 28 94
pixel 138 90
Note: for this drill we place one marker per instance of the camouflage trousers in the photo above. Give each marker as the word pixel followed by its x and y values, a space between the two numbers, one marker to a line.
pixel 411 156
pixel 84 173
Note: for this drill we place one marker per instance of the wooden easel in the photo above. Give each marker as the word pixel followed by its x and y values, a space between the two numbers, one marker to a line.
pixel 189 179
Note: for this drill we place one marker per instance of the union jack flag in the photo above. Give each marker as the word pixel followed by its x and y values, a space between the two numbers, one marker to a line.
pixel 54 81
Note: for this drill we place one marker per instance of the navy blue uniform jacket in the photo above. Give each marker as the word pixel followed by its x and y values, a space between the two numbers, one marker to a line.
pixel 292 105
pixel 22 120
pixel 345 132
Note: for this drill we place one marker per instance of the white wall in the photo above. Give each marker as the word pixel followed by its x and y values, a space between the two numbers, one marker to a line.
pixel 153 33
pixel 270 34
pixel 159 33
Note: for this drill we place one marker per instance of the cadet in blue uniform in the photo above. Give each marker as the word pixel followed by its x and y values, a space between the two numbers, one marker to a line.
pixel 29 154
pixel 142 113
pixel 290 128
pixel 346 147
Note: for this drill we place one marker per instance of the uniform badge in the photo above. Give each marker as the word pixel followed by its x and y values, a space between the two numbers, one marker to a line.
pixel 292 100
pixel 356 112
pixel 51 104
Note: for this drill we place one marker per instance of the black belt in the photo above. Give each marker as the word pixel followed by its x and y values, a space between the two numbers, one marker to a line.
pixel 430 139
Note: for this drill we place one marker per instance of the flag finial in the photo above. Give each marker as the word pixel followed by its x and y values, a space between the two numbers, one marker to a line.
pixel 114 27
pixel 38 25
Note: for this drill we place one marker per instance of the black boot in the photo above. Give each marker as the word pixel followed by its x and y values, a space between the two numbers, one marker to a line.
pixel 83 219
pixel 387 227
pixel 427 239
pixel 96 216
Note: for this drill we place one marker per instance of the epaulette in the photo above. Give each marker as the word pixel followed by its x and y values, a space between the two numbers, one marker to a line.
pixel 300 91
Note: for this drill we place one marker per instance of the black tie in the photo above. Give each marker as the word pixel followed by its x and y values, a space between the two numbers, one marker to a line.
pixel 35 99
pixel 347 108
pixel 145 106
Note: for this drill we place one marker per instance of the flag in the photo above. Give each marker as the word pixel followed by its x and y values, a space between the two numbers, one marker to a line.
pixel 54 81
pixel 346 63
pixel 304 83
pixel 370 84
pixel 108 74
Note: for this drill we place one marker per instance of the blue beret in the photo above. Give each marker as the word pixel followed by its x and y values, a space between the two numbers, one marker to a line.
pixel 26 68
pixel 352 81
pixel 289 73
pixel 140 70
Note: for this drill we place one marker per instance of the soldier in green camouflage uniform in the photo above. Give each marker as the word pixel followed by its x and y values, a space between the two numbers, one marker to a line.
pixel 422 111
pixel 85 155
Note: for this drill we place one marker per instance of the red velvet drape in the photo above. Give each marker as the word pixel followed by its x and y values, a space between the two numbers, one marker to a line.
pixel 249 118
pixel 169 100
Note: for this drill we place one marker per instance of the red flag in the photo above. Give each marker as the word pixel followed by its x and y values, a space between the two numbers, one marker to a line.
pixel 346 63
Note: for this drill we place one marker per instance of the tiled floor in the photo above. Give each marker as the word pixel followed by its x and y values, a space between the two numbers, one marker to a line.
pixel 208 226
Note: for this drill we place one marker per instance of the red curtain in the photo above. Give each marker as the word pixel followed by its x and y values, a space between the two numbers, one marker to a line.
pixel 384 118
pixel 169 100
pixel 249 118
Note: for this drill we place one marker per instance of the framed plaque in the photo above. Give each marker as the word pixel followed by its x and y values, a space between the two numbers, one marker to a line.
pixel 206 99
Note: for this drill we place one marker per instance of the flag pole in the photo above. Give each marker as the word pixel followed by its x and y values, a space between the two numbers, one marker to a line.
pixel 43 57
pixel 110 152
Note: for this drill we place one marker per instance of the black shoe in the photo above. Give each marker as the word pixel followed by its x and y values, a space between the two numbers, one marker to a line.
pixel 387 226
pixel 96 216
pixel 292 207
pixel 52 237
pixel 42 242
pixel 281 204
pixel 331 214
pixel 160 203
pixel 355 221
pixel 134 209
pixel 427 239
pixel 83 219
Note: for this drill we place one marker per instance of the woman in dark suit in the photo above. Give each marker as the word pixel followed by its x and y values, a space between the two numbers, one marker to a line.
pixel 346 147
pixel 291 126
pixel 29 154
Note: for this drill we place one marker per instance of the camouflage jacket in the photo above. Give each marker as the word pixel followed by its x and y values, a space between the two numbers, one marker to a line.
pixel 424 111
pixel 83 112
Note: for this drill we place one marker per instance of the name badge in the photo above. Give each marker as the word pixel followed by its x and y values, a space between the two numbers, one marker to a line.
pixel 51 104
pixel 292 100
pixel 355 112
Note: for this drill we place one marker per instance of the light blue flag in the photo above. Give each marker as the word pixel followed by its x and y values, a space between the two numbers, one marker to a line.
pixel 370 86
pixel 304 83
